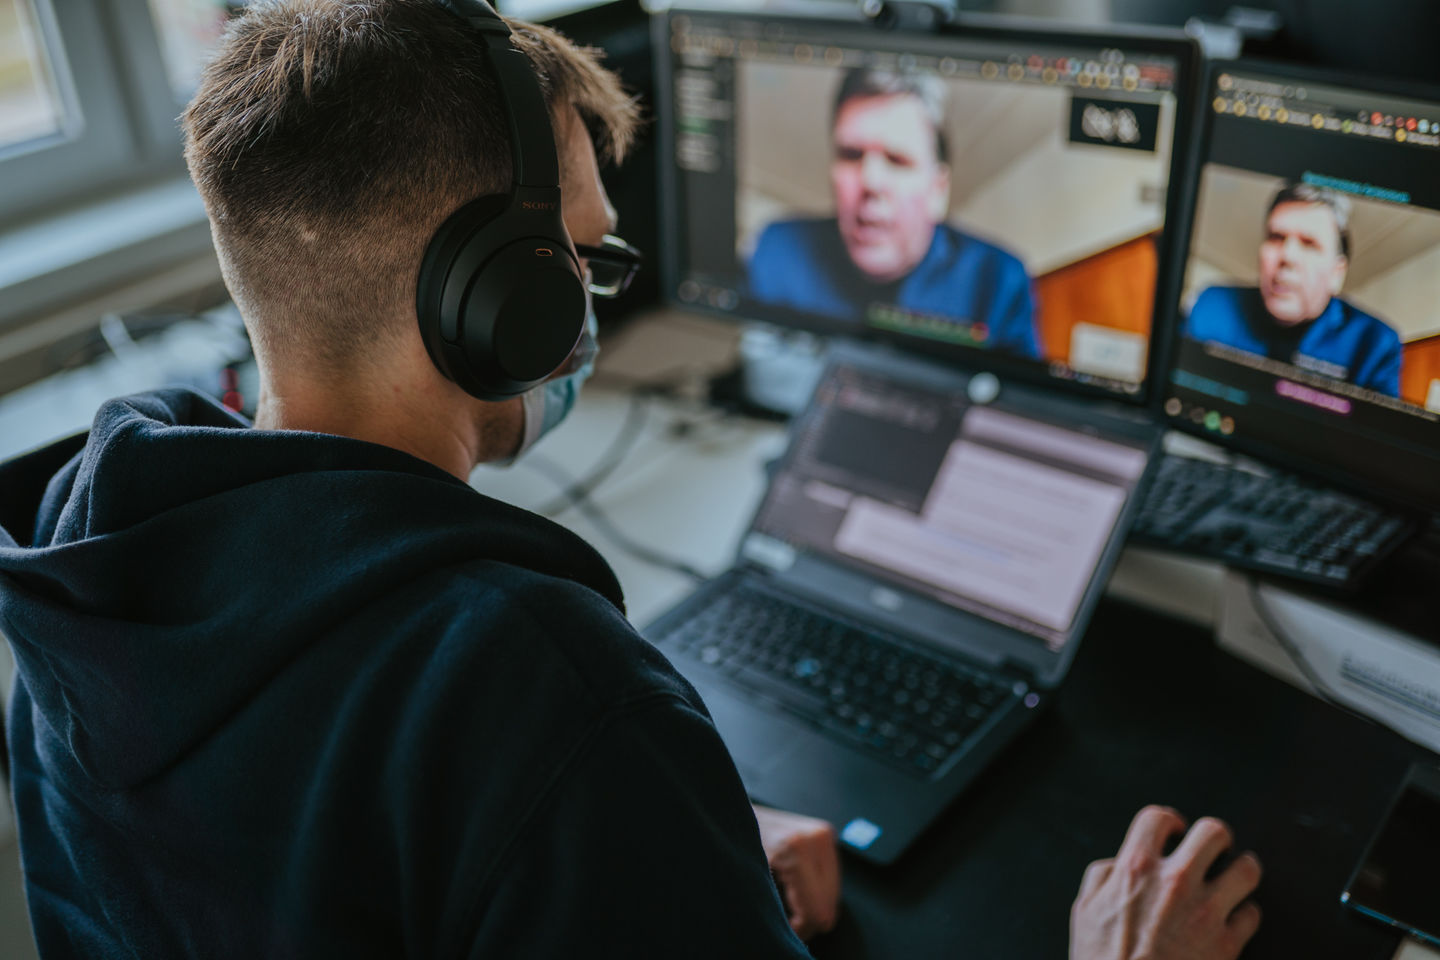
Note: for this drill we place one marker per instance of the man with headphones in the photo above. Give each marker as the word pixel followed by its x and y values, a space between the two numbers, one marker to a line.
pixel 296 690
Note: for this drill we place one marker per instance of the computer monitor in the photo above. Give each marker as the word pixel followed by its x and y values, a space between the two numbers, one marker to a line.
pixel 991 194
pixel 1309 314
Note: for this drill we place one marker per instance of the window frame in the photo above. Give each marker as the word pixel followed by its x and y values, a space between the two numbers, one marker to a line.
pixel 120 127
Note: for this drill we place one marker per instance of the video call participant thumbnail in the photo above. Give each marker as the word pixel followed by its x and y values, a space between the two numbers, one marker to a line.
pixel 888 242
pixel 1296 314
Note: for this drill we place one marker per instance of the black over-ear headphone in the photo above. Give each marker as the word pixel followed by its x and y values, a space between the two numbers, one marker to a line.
pixel 501 299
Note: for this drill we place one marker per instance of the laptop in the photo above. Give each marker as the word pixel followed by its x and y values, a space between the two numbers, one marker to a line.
pixel 912 590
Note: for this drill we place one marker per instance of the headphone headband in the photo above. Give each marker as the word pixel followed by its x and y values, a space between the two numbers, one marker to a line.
pixel 500 298
pixel 532 142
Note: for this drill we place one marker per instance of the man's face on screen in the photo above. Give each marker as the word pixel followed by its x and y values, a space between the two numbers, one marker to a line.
pixel 890 187
pixel 1301 266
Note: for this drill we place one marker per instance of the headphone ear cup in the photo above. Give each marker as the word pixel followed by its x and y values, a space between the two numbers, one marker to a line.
pixel 435 269
pixel 523 316
pixel 500 300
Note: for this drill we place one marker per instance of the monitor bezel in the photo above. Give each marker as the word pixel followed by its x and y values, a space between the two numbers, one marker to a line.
pixel 1341 476
pixel 1172 43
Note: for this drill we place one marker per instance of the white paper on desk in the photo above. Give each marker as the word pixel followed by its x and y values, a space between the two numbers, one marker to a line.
pixel 1410 950
pixel 1378 671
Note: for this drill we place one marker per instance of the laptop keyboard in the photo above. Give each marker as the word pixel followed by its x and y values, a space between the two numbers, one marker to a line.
pixel 861 687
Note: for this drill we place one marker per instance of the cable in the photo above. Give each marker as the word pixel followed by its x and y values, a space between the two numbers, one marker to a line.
pixel 635 418
pixel 631 430
pixel 89 345
pixel 604 524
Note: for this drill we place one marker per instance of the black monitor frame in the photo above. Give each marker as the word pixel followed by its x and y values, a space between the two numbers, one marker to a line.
pixel 999 29
pixel 1359 474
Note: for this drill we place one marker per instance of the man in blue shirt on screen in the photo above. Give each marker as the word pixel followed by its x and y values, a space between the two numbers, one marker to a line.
pixel 888 244
pixel 1296 314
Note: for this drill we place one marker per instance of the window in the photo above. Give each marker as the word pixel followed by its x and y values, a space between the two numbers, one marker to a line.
pixel 30 105
pixel 89 94
pixel 189 30
pixel 541 10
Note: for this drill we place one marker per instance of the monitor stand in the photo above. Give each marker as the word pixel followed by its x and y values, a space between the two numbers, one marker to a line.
pixel 776 372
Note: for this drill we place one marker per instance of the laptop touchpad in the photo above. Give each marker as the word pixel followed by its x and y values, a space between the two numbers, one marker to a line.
pixel 756 739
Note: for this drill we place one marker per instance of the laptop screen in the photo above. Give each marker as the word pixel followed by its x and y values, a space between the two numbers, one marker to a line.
pixel 983 508
pixel 986 196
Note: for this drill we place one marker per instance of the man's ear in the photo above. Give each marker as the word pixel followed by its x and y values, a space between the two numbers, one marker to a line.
pixel 1337 274
pixel 940 194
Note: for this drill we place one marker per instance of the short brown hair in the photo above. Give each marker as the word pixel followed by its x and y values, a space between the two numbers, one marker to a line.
pixel 330 138
pixel 860 83
pixel 1339 204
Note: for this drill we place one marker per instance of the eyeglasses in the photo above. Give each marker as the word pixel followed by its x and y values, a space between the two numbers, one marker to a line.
pixel 613 265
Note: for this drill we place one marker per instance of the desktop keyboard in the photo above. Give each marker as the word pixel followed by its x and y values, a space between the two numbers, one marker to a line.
pixel 863 688
pixel 1277 524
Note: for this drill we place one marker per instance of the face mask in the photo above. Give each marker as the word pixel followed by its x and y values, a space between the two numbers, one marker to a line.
pixel 550 402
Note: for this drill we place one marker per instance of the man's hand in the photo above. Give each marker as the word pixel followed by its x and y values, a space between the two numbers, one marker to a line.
pixel 806 865
pixel 1145 904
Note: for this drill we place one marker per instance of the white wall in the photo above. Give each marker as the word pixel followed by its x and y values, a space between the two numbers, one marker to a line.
pixel 1061 202
pixel 1406 296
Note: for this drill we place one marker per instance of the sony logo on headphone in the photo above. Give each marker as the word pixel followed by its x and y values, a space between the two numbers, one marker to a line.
pixel 538 205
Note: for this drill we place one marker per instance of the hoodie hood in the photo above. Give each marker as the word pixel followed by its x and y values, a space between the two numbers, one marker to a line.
pixel 175 544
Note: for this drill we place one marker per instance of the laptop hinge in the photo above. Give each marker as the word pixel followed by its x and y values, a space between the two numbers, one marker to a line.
pixel 1019 669
pixel 763 552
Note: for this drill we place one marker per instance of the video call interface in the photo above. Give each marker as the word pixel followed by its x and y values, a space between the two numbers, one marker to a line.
pixel 979 507
pixel 1310 310
pixel 964 193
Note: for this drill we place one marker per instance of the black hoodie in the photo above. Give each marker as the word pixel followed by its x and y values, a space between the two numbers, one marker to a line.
pixel 284 694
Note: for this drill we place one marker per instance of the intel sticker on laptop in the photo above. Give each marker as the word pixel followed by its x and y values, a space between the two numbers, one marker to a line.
pixel 859 833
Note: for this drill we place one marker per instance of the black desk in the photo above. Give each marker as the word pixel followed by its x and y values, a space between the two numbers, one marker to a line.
pixel 1153 712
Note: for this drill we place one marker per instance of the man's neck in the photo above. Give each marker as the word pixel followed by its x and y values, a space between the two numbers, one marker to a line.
pixel 425 420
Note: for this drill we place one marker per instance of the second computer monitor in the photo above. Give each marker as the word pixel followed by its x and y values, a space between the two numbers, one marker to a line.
pixel 996 196
pixel 1309 316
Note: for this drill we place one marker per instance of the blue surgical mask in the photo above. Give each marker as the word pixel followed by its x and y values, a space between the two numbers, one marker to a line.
pixel 550 402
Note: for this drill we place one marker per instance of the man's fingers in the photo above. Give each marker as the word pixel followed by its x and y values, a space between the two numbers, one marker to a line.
pixel 806 864
pixel 810 885
pixel 1238 881
pixel 1148 832
pixel 1207 839
pixel 809 915
pixel 1095 875
pixel 1244 922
